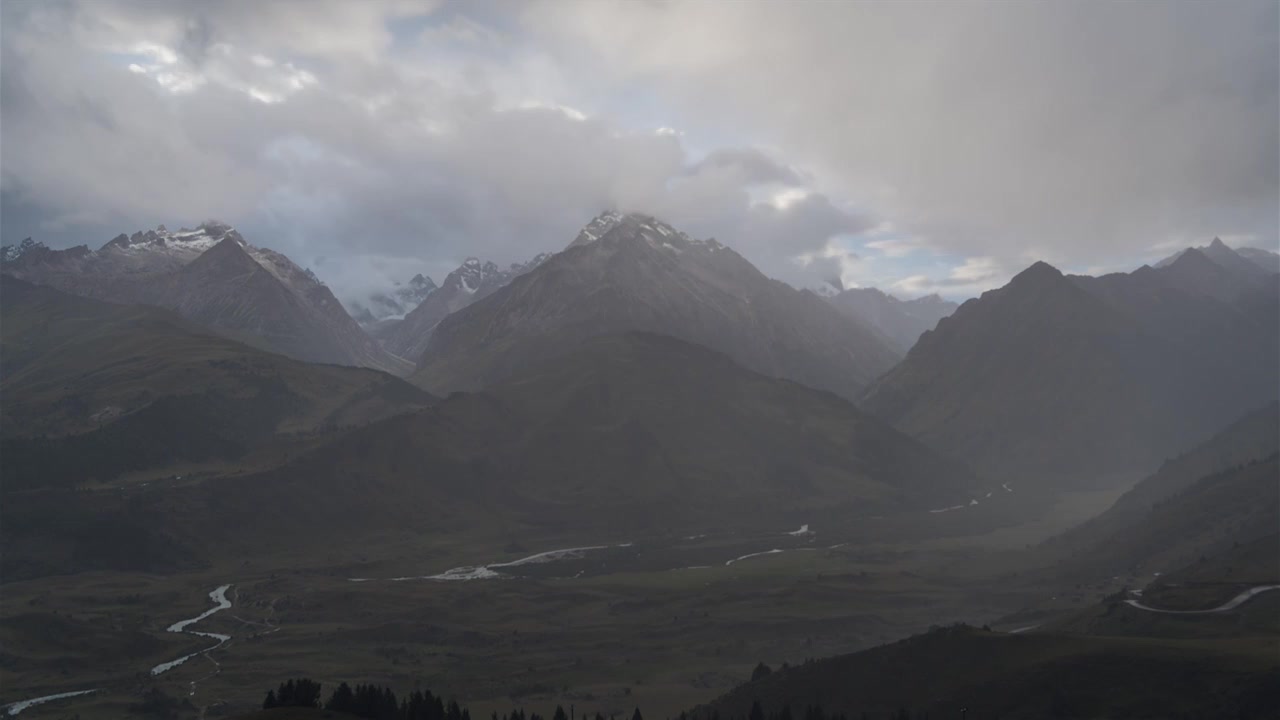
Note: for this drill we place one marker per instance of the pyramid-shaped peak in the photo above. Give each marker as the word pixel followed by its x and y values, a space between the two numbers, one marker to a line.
pixel 228 246
pixel 1039 271
pixel 1217 244
pixel 635 225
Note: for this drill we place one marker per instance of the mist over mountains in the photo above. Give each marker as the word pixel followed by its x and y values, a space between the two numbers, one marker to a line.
pixel 606 360
pixel 640 383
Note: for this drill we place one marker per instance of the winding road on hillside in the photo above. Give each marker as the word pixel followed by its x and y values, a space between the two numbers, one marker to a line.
pixel 1231 604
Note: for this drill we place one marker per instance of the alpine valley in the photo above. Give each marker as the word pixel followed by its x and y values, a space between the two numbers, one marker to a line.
pixel 636 472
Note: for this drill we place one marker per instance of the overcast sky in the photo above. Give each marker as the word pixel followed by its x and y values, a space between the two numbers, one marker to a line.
pixel 917 147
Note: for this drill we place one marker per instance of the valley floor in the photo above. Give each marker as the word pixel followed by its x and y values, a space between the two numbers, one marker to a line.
pixel 664 623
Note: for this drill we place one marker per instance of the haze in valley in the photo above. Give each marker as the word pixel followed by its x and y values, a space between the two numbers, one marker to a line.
pixel 725 361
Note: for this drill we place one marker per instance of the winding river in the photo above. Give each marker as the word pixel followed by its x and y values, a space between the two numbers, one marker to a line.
pixel 1231 604
pixel 219 598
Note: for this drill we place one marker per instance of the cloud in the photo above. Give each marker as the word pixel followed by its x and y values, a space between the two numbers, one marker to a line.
pixel 339 151
pixel 980 127
pixel 952 143
pixel 972 276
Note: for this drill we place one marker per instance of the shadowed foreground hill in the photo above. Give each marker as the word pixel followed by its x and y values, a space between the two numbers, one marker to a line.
pixel 1033 676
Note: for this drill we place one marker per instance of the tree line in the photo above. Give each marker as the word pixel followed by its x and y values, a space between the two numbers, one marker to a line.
pixel 377 702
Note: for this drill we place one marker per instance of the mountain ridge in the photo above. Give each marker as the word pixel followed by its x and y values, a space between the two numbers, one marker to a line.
pixel 1131 358
pixel 299 314
pixel 634 273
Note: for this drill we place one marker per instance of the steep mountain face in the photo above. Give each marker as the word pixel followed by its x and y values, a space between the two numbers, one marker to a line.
pixel 901 321
pixel 634 273
pixel 214 277
pixel 393 304
pixel 1072 378
pixel 472 281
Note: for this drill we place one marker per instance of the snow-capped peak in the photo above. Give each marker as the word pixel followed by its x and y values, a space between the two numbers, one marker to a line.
pixel 655 232
pixel 184 244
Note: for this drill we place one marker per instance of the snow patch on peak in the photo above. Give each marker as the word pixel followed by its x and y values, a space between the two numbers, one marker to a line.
pixel 10 253
pixel 184 245
pixel 656 233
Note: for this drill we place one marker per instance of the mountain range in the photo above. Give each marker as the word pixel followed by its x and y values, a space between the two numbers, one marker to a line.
pixel 1266 260
pixel 1057 378
pixel 635 273
pixel 212 276
pixel 187 404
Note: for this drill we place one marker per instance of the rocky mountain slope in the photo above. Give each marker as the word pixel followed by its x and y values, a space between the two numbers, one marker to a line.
pixel 212 275
pixel 1073 378
pixel 635 273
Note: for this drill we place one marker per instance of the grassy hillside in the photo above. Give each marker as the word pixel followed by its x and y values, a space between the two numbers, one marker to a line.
pixel 93 390
pixel 1239 505
pixel 72 364
pixel 1253 437
pixel 625 435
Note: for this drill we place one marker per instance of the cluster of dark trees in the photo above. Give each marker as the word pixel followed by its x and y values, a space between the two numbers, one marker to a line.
pixel 814 712
pixel 379 703
pixel 366 701
pixel 303 692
